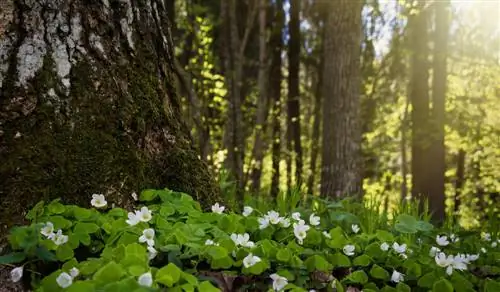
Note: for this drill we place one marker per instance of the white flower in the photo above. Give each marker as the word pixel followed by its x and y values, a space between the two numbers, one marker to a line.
pixel 384 246
pixel 442 240
pixel 217 208
pixel 483 250
pixel 263 222
pixel 284 222
pixel 242 239
pixel 296 216
pixel 434 250
pixel 300 231
pixel 471 257
pixel 397 277
pixel 487 236
pixel 273 217
pixel 59 238
pixel 247 210
pixel 144 215
pixel 399 248
pixel 16 274
pixel 210 242
pixel 74 272
pixel 494 244
pixel 250 260
pixel 355 228
pixel 349 250
pixel 134 196
pixel 133 218
pixel 447 261
pixel 152 252
pixel 454 238
pixel 48 230
pixel 279 282
pixel 64 280
pixel 327 235
pixel 145 279
pixel 148 236
pixel 98 201
pixel 314 220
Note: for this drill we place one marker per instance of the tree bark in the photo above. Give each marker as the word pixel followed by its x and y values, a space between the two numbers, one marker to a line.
pixel 419 96
pixel 437 149
pixel 293 91
pixel 340 171
pixel 275 77
pixel 88 105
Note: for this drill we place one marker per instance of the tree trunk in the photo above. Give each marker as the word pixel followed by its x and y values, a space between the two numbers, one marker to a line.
pixel 316 127
pixel 88 105
pixel 276 45
pixel 460 179
pixel 293 90
pixel 437 148
pixel 419 96
pixel 340 171
pixel 262 105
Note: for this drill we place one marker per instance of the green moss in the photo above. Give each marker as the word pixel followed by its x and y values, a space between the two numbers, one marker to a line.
pixel 110 135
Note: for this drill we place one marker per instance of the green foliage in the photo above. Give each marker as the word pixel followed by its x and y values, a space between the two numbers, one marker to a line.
pixel 192 246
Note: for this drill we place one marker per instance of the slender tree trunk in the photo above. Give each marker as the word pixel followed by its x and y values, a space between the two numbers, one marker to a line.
pixel 275 76
pixel 293 89
pixel 316 127
pixel 437 148
pixel 419 96
pixel 340 171
pixel 262 104
pixel 88 105
pixel 460 178
pixel 404 155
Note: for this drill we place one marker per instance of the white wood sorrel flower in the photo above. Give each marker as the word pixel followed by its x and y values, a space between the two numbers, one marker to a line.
pixel 397 277
pixel 247 210
pixel 144 214
pixel 263 222
pixel 59 238
pixel 273 217
pixel 399 248
pixel 442 240
pixel 349 250
pixel 300 231
pixel 296 216
pixel 16 274
pixel 250 260
pixel 74 272
pixel 152 252
pixel 355 228
pixel 133 218
pixel 64 280
pixel 327 235
pixel 218 208
pixel 242 240
pixel 98 201
pixel 314 220
pixel 145 280
pixel 148 236
pixel 384 246
pixel 48 230
pixel 279 282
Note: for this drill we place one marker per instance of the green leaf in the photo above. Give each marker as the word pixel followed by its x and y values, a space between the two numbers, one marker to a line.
pixel 402 287
pixel 427 280
pixel 362 260
pixel 136 270
pixel 378 272
pixel 222 263
pixel 44 254
pixel 117 212
pixel 339 260
pixel 442 285
pixel 283 255
pixel 64 252
pixel 166 211
pixel 148 195
pixel 111 272
pixel 36 211
pixel 55 207
pixel 81 286
pixel 83 227
pixel 384 235
pixel 424 226
pixel 12 258
pixel 258 268
pixel 413 269
pixel 491 286
pixel 358 277
pixel 168 275
pixel 82 214
pixel 60 222
pixel 317 263
pixel 189 278
pixel 216 252
pixel 403 228
pixel 206 286
pixel 388 289
pixel 90 266
pixel 460 283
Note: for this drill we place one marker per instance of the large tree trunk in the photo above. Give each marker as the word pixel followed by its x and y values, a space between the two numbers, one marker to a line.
pixel 340 171
pixel 437 149
pixel 419 96
pixel 88 105
pixel 293 91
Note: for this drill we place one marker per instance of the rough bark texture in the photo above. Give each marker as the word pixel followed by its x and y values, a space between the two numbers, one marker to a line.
pixel 88 105
pixel 340 171
pixel 437 148
pixel 419 96
pixel 275 94
pixel 316 127
pixel 293 91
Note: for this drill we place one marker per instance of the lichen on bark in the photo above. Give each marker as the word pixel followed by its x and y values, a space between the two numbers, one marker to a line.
pixel 90 106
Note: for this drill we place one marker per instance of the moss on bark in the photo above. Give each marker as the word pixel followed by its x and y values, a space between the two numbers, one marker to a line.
pixel 118 129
